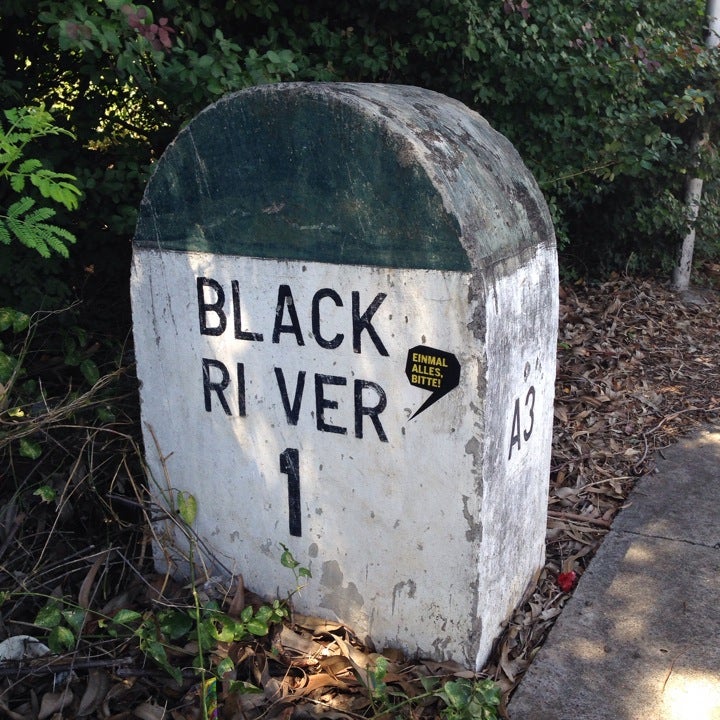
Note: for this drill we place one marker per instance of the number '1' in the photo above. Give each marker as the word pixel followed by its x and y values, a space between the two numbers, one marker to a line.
pixel 290 466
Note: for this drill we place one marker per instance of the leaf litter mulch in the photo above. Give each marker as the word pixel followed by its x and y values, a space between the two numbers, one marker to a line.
pixel 637 368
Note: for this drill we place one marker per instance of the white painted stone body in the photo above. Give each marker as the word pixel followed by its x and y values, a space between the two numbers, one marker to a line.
pixel 421 532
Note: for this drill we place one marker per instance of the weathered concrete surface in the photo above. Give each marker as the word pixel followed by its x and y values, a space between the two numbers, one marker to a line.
pixel 639 640
pixel 352 173
pixel 313 263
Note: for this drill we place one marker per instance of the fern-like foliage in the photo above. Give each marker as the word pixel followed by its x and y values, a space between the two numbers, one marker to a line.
pixel 23 220
pixel 53 185
pixel 29 225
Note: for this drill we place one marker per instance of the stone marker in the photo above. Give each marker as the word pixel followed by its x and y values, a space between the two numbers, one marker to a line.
pixel 345 308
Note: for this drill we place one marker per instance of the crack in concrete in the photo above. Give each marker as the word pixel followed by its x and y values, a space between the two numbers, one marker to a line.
pixel 716 546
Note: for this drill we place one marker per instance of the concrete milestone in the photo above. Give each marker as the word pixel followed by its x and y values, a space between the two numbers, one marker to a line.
pixel 345 317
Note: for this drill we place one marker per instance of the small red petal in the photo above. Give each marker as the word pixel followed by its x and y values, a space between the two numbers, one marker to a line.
pixel 566 581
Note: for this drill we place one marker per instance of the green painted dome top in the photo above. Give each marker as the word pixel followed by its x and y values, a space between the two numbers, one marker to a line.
pixel 353 174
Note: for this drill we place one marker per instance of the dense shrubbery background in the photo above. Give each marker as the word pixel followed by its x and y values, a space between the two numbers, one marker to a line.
pixel 601 99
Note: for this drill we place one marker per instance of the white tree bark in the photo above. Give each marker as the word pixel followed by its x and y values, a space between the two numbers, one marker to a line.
pixel 694 185
pixel 713 20
pixel 683 267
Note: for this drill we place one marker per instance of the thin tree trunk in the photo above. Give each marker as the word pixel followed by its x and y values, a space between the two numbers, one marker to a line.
pixel 694 185
pixel 693 197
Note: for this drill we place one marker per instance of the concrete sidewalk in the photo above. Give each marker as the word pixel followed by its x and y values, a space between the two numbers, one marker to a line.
pixel 640 638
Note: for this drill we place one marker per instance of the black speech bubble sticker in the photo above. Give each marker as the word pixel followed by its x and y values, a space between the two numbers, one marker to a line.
pixel 439 372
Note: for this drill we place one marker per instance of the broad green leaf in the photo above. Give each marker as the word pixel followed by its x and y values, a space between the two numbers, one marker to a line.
pixel 229 630
pixel 75 618
pixel 61 638
pixel 187 507
pixel 176 624
pixel 155 650
pixel 49 616
pixel 280 610
pixel 46 493
pixel 225 666
pixel 7 318
pixel 456 693
pixel 286 559
pixel 125 616
pixel 257 627
pixel 21 322
pixel 264 613
pixel 7 366
pixel 30 449
pixel 90 371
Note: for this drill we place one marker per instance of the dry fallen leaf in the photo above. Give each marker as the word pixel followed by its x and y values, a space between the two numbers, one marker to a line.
pixel 98 684
pixel 54 702
pixel 149 711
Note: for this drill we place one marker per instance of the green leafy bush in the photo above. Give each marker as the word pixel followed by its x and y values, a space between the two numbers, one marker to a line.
pixel 601 99
pixel 23 219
